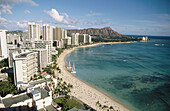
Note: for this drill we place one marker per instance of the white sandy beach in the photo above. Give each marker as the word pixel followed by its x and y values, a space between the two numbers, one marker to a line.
pixel 82 90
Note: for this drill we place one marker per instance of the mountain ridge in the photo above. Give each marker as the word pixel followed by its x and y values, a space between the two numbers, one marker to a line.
pixel 107 31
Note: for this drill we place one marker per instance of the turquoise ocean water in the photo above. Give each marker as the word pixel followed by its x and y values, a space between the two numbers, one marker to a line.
pixel 135 74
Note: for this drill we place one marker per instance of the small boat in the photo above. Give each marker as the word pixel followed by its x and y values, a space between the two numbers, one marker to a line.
pixel 69 66
pixel 73 69
pixel 156 44
pixel 124 60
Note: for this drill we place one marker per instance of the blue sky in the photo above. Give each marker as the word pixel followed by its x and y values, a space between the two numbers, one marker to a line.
pixel 138 17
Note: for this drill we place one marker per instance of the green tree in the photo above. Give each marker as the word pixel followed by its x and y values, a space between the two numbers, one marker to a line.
pixel 111 108
pixel 4 63
pixel 7 88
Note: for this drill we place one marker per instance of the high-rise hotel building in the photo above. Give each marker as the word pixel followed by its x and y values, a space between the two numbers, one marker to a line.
pixel 75 39
pixel 3 44
pixel 47 32
pixel 25 66
pixel 57 33
pixel 34 31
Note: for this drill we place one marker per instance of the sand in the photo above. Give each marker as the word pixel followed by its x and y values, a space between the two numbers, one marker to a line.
pixel 83 91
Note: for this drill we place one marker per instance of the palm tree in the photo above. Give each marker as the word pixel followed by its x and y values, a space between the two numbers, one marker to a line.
pixel 100 106
pixel 97 103
pixel 58 78
pixel 59 83
pixel 61 79
pixel 64 83
pixel 70 86
pixel 111 108
pixel 104 107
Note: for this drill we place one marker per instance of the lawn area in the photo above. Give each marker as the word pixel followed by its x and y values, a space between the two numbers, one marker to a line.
pixel 67 104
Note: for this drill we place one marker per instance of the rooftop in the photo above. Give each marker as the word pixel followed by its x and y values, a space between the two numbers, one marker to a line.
pixel 13 100
pixel 78 109
pixel 48 108
pixel 23 55
pixel 35 92
pixel 38 82
pixel 44 93
pixel 30 86
pixel 20 82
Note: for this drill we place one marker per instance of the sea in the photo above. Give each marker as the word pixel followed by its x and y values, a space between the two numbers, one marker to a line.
pixel 135 74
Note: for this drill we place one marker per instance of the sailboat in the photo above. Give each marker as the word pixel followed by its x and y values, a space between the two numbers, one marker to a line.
pixel 69 66
pixel 73 69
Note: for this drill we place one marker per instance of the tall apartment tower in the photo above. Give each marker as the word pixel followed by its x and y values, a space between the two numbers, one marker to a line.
pixel 64 34
pixel 75 39
pixel 25 66
pixel 34 31
pixel 47 32
pixel 57 33
pixel 40 45
pixel 3 44
pixel 25 35
pixel 89 39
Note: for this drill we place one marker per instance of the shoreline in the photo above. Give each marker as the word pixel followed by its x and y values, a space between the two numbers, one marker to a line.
pixel 84 91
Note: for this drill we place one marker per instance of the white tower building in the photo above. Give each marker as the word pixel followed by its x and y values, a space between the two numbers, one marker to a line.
pixel 74 39
pixel 47 32
pixel 34 31
pixel 25 66
pixel 3 44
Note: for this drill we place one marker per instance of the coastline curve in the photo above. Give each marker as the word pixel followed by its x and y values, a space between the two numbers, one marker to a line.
pixel 84 91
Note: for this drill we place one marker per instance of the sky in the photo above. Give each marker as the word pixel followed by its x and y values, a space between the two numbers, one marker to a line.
pixel 130 17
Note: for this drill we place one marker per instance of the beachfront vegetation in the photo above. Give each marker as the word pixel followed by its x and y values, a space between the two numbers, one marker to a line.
pixel 67 103
pixel 63 88
pixel 104 107
pixel 36 77
pixel 4 63
pixel 59 51
pixel 49 70
pixel 6 87
pixel 104 38
pixel 54 58
pixel 68 46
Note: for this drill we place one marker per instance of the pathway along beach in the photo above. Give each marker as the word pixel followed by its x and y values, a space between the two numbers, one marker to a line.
pixel 83 91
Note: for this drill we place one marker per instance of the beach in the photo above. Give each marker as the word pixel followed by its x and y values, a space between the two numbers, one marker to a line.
pixel 83 91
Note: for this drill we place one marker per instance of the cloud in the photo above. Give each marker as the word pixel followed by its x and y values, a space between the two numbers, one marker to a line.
pixel 4 23
pixel 93 14
pixel 16 25
pixel 6 5
pixel 70 26
pixel 12 2
pixel 22 24
pixel 62 18
pixel 164 16
pixel 65 21
pixel 2 19
pixel 27 12
pixel 56 16
pixel 93 23
pixel 151 28
pixel 5 9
